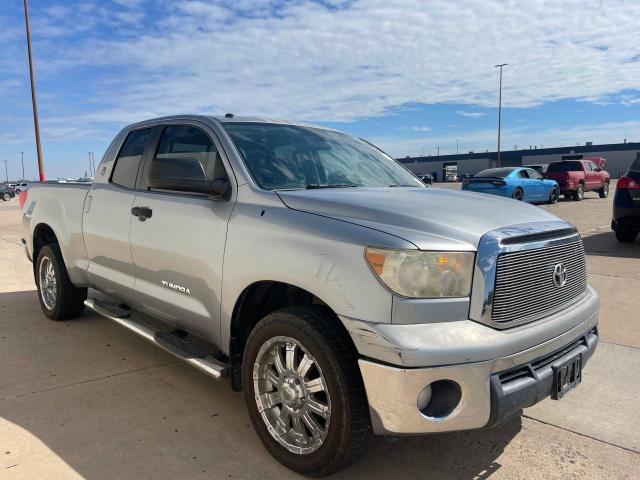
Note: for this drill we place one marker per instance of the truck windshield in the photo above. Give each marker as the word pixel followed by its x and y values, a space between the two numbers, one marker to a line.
pixel 292 157
pixel 565 167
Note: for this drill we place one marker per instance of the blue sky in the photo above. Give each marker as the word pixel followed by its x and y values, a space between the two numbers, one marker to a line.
pixel 409 75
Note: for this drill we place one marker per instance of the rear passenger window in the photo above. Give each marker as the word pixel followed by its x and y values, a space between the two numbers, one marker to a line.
pixel 523 174
pixel 187 153
pixel 128 161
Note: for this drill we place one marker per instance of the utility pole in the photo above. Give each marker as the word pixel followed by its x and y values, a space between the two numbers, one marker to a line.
pixel 36 123
pixel 499 108
pixel 457 143
pixel 22 160
pixel 6 170
pixel 438 151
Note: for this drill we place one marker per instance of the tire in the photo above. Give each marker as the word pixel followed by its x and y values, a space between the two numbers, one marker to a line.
pixel 6 197
pixel 348 434
pixel 64 300
pixel 518 194
pixel 604 191
pixel 626 236
pixel 568 196
pixel 578 194
pixel 554 196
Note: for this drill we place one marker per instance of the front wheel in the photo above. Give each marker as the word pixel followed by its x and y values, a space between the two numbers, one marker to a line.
pixel 59 298
pixel 6 197
pixel 604 191
pixel 518 194
pixel 578 193
pixel 554 196
pixel 626 236
pixel 304 392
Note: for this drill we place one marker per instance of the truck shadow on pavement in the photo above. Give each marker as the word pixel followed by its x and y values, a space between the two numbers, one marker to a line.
pixel 605 244
pixel 86 397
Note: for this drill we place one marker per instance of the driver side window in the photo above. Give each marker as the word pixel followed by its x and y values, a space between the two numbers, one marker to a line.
pixel 187 153
pixel 523 174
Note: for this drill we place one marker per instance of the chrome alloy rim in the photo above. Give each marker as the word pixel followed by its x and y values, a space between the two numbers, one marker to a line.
pixel 48 283
pixel 6 197
pixel 555 195
pixel 606 189
pixel 291 394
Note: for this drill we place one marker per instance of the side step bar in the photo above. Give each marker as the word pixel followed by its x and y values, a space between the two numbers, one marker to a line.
pixel 206 363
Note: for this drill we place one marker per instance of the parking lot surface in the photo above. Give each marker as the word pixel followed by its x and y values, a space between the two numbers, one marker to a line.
pixel 87 399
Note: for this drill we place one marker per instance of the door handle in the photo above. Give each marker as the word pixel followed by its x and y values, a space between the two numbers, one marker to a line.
pixel 142 213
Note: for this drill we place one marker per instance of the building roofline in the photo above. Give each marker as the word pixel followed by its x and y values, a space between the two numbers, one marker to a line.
pixel 516 154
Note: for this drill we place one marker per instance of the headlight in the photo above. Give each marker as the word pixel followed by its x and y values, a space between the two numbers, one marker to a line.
pixel 419 274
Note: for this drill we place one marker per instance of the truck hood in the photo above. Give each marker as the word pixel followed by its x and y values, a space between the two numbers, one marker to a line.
pixel 430 218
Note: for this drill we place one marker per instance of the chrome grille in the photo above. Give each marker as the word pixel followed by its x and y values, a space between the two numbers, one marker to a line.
pixel 524 285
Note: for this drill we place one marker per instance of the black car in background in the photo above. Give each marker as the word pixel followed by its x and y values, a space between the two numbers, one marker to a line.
pixel 465 176
pixel 6 192
pixel 426 178
pixel 626 204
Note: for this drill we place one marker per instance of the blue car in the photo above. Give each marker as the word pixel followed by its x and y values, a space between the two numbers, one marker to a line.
pixel 518 183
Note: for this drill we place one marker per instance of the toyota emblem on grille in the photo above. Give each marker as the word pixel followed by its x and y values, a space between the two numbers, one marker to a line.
pixel 559 275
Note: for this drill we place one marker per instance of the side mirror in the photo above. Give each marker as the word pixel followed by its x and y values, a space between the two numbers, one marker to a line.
pixel 598 169
pixel 217 188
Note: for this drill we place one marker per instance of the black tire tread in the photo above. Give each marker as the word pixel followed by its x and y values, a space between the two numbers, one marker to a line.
pixel 70 300
pixel 602 193
pixel 316 320
pixel 626 236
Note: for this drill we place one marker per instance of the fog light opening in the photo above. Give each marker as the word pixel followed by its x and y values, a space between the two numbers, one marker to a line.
pixel 439 399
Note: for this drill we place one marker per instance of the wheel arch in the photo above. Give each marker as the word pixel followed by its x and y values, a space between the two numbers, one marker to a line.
pixel 43 234
pixel 255 302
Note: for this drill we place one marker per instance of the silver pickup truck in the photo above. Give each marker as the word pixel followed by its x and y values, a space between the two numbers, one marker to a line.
pixel 342 295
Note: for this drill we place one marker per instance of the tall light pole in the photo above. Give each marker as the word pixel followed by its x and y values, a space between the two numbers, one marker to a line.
pixel 36 123
pixel 6 170
pixel 499 108
pixel 457 142
pixel 22 160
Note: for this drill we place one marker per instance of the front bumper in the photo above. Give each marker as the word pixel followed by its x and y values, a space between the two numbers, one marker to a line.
pixel 497 377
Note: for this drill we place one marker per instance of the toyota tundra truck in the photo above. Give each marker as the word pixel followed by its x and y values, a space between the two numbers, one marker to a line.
pixel 343 296
pixel 578 176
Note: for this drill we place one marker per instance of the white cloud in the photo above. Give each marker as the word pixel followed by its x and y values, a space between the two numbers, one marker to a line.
pixel 303 60
pixel 470 114
pixel 421 129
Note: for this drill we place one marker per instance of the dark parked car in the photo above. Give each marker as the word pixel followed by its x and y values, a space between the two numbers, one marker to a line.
pixel 427 178
pixel 626 205
pixel 541 168
pixel 6 192
pixel 465 176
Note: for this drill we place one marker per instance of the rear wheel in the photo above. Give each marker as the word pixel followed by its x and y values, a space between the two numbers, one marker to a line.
pixel 6 197
pixel 604 191
pixel 304 392
pixel 626 236
pixel 518 194
pixel 554 196
pixel 578 193
pixel 59 298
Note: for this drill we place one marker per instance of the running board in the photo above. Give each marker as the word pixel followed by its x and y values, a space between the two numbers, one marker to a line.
pixel 206 363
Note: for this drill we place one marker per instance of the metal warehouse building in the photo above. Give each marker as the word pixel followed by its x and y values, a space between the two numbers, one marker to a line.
pixel 619 157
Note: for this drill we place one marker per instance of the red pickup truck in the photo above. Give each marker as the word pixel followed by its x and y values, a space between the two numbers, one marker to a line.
pixel 578 176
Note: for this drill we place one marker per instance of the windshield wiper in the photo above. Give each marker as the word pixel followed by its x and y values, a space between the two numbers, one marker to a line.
pixel 402 185
pixel 315 186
